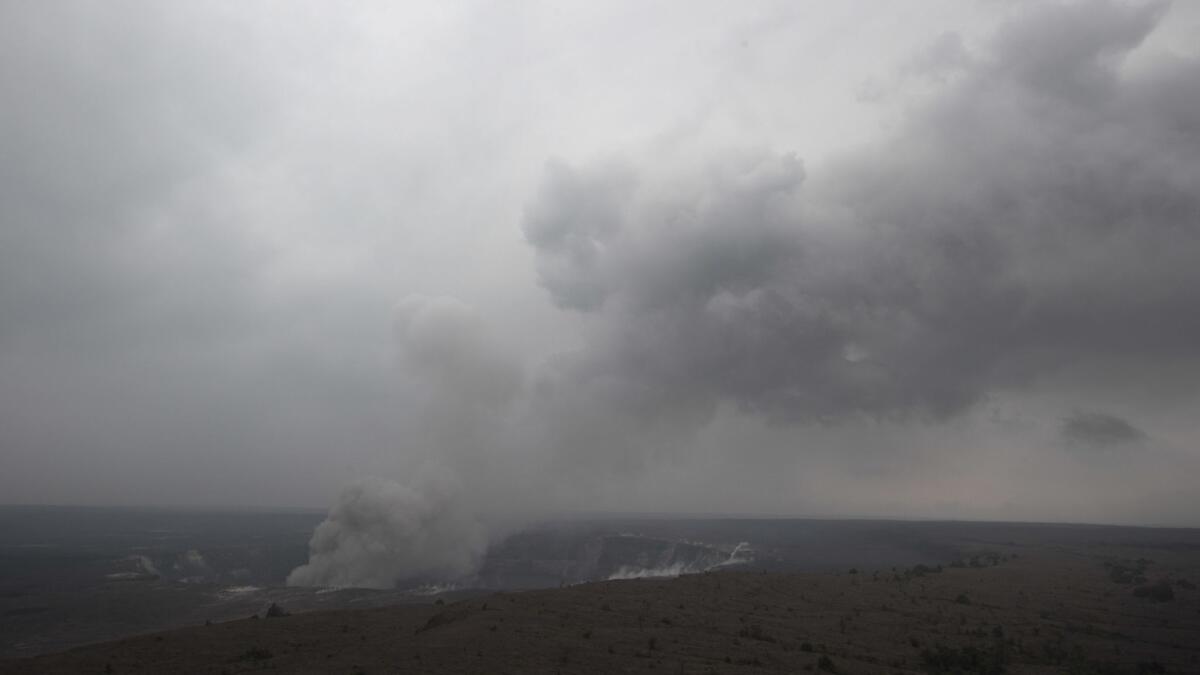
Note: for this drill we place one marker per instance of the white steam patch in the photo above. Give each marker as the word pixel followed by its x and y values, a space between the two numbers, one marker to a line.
pixel 635 572
pixel 433 589
pixel 240 590
pixel 740 555
pixel 147 565
pixel 193 559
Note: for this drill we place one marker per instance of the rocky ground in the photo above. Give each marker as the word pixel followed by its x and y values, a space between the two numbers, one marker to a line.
pixel 1007 610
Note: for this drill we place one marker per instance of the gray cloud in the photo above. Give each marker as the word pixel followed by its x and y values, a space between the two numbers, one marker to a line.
pixel 445 345
pixel 1002 233
pixel 1099 429
pixel 144 328
pixel 996 240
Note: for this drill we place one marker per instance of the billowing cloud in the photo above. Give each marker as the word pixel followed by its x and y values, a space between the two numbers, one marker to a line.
pixel 1003 232
pixel 998 242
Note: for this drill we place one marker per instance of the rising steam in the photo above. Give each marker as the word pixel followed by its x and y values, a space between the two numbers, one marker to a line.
pixel 381 532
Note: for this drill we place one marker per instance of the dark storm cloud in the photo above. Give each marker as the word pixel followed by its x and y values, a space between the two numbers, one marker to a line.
pixel 1100 430
pixel 1040 211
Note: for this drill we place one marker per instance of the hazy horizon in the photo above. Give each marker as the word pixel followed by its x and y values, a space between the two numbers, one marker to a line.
pixel 585 516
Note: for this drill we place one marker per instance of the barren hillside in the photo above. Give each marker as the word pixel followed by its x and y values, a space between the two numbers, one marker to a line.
pixel 1037 611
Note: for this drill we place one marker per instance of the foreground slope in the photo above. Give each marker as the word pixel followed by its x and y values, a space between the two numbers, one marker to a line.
pixel 1034 612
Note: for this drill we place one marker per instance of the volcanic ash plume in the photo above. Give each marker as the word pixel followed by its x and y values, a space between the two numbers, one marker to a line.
pixel 380 532
pixel 998 240
pixel 457 387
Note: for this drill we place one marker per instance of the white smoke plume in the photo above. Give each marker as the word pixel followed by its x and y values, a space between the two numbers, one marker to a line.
pixel 435 524
pixel 381 532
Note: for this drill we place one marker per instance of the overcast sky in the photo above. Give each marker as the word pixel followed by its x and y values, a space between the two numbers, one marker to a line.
pixel 919 259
